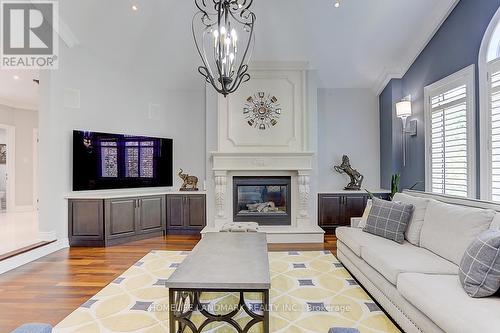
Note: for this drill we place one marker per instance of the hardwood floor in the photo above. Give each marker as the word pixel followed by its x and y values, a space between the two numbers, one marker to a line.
pixel 49 289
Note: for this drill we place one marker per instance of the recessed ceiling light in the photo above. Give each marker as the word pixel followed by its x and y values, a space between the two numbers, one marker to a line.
pixel 135 8
pixel 337 4
pixel 16 77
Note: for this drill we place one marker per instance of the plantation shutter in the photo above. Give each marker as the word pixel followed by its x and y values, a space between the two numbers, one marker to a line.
pixel 494 99
pixel 449 169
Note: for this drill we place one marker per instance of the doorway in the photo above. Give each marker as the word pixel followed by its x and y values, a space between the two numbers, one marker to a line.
pixel 7 167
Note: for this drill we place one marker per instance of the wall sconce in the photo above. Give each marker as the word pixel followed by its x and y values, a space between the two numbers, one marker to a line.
pixel 403 111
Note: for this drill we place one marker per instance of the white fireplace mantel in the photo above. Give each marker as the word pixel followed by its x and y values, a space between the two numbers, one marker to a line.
pixel 301 161
pixel 296 164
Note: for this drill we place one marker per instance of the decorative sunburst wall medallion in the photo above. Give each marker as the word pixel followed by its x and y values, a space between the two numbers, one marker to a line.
pixel 262 111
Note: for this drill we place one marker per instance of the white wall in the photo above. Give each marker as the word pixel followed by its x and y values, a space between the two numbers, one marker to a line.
pixel 117 100
pixel 24 122
pixel 348 123
pixel 111 100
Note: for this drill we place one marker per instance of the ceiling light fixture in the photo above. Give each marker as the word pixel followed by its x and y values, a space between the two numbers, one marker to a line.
pixel 337 3
pixel 135 8
pixel 16 77
pixel 220 28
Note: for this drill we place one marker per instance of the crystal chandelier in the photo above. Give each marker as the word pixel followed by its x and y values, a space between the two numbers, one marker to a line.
pixel 220 28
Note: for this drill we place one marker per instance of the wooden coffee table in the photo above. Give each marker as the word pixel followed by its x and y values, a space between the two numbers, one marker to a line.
pixel 221 262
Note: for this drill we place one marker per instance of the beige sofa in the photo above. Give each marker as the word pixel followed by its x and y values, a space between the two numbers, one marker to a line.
pixel 417 284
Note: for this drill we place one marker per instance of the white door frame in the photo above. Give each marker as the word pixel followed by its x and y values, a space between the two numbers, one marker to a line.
pixel 11 166
pixel 35 169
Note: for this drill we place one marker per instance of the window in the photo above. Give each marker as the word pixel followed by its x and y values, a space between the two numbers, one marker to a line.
pixel 449 119
pixel 493 51
pixel 489 114
pixel 491 181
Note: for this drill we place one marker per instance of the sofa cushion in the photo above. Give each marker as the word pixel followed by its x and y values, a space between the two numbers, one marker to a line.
pixel 412 233
pixel 479 271
pixel 449 229
pixel 388 219
pixel 442 299
pixel 391 259
pixel 354 238
pixel 364 218
pixel 495 224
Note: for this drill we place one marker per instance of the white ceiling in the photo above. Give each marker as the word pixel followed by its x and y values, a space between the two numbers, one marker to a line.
pixel 359 45
pixel 20 92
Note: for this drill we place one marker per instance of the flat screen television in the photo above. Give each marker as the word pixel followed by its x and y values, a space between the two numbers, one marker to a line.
pixel 115 161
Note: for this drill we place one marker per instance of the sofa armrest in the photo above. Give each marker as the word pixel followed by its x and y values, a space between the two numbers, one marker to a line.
pixel 355 222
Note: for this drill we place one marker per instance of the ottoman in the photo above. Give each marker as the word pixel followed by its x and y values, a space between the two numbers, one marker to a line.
pixel 343 330
pixel 33 328
pixel 240 227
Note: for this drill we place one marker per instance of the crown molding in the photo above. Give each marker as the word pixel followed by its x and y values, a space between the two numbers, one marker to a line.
pixel 387 75
pixel 397 73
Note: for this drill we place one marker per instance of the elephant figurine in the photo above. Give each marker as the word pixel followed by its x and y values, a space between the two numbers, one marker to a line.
pixel 190 182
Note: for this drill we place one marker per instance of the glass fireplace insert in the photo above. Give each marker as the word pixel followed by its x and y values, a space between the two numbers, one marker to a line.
pixel 265 200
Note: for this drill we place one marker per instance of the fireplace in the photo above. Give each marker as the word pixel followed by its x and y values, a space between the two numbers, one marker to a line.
pixel 265 200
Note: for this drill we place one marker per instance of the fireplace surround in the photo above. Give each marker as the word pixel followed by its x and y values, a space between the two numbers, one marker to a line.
pixel 285 150
pixel 261 199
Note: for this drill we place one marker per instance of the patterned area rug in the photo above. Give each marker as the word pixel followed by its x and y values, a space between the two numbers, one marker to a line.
pixel 311 292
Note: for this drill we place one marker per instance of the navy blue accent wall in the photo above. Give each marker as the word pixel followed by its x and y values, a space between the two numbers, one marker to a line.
pixel 390 133
pixel 454 46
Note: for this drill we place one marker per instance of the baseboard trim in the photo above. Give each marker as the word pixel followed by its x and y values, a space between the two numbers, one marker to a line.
pixel 47 236
pixel 27 257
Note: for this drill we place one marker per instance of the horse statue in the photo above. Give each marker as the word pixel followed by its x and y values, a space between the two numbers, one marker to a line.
pixel 356 177
pixel 190 182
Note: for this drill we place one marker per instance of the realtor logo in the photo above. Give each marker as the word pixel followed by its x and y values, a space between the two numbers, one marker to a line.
pixel 29 34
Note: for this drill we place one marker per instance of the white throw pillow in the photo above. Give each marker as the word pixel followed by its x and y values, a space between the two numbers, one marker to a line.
pixel 449 229
pixel 412 233
pixel 364 218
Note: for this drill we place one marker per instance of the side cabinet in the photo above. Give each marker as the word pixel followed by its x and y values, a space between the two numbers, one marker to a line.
pixel 134 218
pixel 121 217
pixel 86 222
pixel 337 209
pixel 330 210
pixel 152 214
pixel 102 222
pixel 186 214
